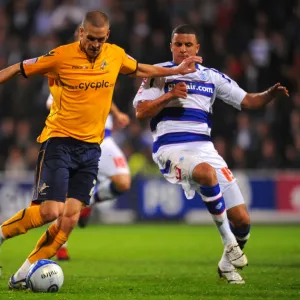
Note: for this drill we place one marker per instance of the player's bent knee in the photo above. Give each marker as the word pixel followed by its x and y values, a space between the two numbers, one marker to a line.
pixel 122 183
pixel 51 210
pixel 49 216
pixel 205 175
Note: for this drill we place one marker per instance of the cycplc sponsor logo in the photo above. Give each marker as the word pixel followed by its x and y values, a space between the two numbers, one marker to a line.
pixel 87 85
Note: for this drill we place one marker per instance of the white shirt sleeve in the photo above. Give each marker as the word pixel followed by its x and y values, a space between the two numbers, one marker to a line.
pixel 49 101
pixel 228 90
pixel 150 89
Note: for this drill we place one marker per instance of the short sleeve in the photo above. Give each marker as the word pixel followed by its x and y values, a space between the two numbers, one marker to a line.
pixel 228 90
pixel 48 63
pixel 150 89
pixel 129 64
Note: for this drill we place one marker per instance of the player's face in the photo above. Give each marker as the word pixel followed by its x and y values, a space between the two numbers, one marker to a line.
pixel 92 39
pixel 183 46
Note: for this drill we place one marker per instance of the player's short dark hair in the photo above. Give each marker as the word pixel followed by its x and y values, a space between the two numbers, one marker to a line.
pixel 95 18
pixel 185 29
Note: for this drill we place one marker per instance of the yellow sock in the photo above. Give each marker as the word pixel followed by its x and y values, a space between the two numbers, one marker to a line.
pixel 49 247
pixel 22 221
pixel 46 238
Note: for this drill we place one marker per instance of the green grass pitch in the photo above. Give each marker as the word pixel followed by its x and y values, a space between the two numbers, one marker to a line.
pixel 158 261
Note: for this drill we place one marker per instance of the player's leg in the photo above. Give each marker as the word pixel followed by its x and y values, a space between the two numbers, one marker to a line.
pixel 186 166
pixel 206 176
pixel 113 177
pixel 237 215
pixel 34 215
pixel 240 223
pixel 112 187
pixel 56 235
pixel 236 208
pixel 82 159
pixel 52 180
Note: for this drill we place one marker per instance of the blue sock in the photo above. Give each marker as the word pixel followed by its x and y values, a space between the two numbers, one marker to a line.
pixel 213 199
pixel 242 234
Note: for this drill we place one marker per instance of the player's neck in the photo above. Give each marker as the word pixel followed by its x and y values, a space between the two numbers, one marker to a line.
pixel 90 59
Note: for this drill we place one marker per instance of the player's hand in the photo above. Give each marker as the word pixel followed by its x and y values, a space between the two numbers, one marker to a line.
pixel 179 90
pixel 122 119
pixel 188 65
pixel 277 90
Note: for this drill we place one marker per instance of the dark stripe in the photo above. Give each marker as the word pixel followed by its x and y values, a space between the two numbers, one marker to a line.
pixel 151 82
pixel 210 191
pixel 181 114
pixel 218 72
pixel 134 70
pixel 178 138
pixel 23 214
pixel 166 170
pixel 43 244
pixel 22 70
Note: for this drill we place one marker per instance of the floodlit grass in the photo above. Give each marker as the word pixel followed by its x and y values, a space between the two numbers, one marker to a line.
pixel 163 262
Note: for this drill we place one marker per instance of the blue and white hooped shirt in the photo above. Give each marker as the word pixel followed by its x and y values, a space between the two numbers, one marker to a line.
pixel 190 119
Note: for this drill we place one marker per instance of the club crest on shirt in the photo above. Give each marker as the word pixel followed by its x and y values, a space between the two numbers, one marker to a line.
pixel 103 65
pixel 203 76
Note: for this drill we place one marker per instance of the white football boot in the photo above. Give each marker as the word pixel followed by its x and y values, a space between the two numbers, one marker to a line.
pixel 232 276
pixel 236 256
pixel 17 285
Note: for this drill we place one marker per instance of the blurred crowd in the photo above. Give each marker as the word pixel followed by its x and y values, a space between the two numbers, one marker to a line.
pixel 255 42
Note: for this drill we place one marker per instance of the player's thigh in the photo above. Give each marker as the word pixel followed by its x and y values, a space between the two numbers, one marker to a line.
pixel 178 166
pixel 82 181
pixel 229 188
pixel 52 172
pixel 112 161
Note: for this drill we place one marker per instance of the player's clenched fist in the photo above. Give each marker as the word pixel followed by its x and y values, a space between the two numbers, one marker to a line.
pixel 179 90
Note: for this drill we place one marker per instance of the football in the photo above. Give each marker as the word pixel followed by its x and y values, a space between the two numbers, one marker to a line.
pixel 45 276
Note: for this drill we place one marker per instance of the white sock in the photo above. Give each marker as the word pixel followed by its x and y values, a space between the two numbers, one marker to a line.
pixel 1 234
pixel 65 245
pixel 215 204
pixel 22 272
pixel 223 226
pixel 224 263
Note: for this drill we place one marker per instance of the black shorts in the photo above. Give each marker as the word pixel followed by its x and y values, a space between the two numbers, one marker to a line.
pixel 66 168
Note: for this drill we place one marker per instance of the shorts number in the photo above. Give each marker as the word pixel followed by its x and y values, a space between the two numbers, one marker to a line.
pixel 120 162
pixel 227 173
pixel 178 173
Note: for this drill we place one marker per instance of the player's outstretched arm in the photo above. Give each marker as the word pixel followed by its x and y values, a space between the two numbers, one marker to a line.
pixel 187 66
pixel 10 72
pixel 150 108
pixel 257 100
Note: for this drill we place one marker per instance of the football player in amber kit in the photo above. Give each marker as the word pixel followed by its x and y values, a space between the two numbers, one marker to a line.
pixel 85 73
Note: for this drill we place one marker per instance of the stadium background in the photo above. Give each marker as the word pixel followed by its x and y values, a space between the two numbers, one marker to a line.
pixel 255 42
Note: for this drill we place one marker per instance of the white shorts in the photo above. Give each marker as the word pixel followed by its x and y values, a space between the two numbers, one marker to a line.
pixel 112 160
pixel 177 163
